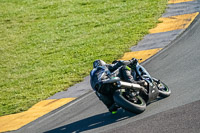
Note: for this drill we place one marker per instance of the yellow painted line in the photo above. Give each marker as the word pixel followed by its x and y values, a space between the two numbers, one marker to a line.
pixel 16 121
pixel 174 23
pixel 178 1
pixel 144 54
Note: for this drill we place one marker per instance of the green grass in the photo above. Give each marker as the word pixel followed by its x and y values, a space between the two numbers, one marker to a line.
pixel 47 46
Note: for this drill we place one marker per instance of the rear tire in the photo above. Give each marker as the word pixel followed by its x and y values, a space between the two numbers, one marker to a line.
pixel 127 104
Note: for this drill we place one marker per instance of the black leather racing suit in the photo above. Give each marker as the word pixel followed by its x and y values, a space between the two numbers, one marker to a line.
pixel 105 93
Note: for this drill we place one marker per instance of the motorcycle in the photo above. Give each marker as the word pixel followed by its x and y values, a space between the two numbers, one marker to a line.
pixel 130 96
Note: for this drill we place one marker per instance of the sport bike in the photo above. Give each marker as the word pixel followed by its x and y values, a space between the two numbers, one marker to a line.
pixel 133 97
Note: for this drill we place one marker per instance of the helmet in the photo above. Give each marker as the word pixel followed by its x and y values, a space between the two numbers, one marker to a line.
pixel 97 63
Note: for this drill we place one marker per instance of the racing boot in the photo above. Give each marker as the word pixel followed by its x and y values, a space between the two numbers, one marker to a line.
pixel 113 108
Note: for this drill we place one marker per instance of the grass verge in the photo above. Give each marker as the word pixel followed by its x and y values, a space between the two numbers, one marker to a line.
pixel 48 45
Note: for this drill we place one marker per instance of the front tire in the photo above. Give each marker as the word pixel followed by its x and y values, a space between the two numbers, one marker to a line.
pixel 126 103
pixel 163 89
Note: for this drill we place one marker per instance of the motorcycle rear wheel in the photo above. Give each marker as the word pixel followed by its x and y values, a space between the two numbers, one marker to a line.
pixel 126 103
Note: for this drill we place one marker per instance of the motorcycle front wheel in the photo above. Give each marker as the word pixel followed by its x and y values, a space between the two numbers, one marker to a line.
pixel 163 89
pixel 135 104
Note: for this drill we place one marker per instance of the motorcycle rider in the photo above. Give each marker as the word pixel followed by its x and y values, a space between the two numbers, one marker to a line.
pixel 117 69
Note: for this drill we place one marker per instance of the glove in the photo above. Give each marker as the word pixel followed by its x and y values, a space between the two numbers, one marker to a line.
pixel 133 60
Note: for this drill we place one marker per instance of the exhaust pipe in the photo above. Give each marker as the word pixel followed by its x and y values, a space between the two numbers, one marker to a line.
pixel 122 84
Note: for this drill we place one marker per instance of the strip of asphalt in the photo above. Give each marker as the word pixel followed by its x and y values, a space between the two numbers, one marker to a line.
pixel 149 46
pixel 183 119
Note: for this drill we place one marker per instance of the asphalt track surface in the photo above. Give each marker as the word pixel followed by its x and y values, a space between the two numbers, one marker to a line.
pixel 178 65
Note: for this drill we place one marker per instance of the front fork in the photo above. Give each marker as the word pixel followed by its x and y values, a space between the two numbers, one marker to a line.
pixel 156 80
